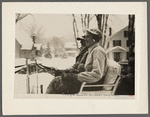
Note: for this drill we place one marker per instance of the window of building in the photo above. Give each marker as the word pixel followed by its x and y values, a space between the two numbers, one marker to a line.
pixel 117 56
pixel 127 43
pixel 117 43
pixel 128 56
pixel 125 33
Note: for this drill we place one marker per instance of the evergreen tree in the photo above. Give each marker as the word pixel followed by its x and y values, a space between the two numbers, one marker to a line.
pixel 48 51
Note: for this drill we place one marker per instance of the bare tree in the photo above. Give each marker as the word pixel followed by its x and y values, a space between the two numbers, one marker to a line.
pixel 99 21
pixel 35 32
pixel 82 24
pixel 104 38
pixel 88 20
pixel 131 33
pixel 85 20
pixel 20 16
pixel 85 17
pixel 75 29
pixel 102 26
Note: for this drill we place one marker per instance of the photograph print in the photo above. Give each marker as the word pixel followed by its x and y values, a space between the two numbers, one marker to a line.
pixel 79 54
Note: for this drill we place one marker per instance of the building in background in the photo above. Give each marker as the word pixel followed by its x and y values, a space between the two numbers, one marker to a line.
pixel 118 46
pixel 59 52
pixel 39 50
pixel 17 49
pixel 27 51
pixel 71 49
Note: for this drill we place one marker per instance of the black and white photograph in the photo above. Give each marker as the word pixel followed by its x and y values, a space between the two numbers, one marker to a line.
pixel 82 54
pixel 74 54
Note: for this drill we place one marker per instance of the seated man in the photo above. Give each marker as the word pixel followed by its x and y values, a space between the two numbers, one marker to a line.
pixel 96 58
pixel 96 63
pixel 97 68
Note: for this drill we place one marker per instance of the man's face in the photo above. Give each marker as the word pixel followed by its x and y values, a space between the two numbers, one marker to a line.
pixel 83 43
pixel 88 39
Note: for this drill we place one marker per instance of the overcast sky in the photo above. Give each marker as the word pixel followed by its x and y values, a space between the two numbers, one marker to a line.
pixel 61 25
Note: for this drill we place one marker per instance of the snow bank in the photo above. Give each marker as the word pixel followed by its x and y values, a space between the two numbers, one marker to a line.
pixel 20 83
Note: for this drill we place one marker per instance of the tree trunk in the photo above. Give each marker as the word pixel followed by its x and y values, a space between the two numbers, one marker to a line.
pixel 99 21
pixel 88 20
pixel 105 31
pixel 85 21
pixel 75 32
pixel 82 24
pixel 103 22
pixel 131 33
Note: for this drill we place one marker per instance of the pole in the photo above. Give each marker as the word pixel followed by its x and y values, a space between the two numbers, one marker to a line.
pixel 41 87
pixel 28 79
pixel 36 73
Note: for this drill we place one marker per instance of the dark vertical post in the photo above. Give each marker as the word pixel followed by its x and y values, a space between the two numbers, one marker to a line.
pixel 41 87
pixel 28 80
pixel 109 31
pixel 36 73
pixel 33 39
pixel 131 33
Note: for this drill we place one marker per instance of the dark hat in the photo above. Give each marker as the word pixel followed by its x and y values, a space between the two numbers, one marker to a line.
pixel 81 38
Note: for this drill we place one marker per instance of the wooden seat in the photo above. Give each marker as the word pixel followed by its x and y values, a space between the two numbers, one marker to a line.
pixel 101 92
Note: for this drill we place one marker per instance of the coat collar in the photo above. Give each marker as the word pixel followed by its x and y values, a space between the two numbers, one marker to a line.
pixel 92 47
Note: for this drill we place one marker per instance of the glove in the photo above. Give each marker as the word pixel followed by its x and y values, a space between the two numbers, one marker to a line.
pixel 58 72
pixel 81 67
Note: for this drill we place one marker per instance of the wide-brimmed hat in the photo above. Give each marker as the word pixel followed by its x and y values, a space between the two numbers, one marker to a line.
pixel 95 31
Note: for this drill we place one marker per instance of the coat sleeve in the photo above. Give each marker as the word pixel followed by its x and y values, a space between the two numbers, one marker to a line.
pixel 98 68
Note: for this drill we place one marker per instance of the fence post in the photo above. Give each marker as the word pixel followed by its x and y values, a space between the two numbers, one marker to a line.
pixel 36 74
pixel 28 79
pixel 41 87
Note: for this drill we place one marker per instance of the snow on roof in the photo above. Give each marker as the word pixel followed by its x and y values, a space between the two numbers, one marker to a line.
pixel 27 46
pixel 116 49
pixel 38 46
pixel 109 38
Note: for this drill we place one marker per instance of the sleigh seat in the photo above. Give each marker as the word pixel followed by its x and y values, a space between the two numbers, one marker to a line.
pixel 103 90
pixel 110 81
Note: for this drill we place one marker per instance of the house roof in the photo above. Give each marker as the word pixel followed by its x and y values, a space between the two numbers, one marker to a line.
pixel 27 46
pixel 116 49
pixel 109 38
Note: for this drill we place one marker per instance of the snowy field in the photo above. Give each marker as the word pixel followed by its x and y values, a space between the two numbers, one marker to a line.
pixel 43 78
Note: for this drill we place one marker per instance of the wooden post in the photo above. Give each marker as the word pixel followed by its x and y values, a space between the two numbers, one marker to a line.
pixel 41 87
pixel 28 79
pixel 36 74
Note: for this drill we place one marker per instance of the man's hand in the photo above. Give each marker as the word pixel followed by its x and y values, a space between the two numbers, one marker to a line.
pixel 58 72
pixel 81 67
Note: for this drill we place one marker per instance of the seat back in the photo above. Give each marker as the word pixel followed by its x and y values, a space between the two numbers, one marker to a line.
pixel 111 92
pixel 113 71
pixel 111 79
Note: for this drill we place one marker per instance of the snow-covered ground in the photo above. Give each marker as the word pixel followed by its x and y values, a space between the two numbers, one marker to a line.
pixel 43 78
